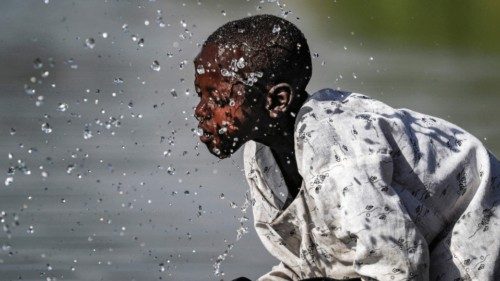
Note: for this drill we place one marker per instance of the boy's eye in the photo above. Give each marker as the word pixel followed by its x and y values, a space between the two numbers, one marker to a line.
pixel 221 101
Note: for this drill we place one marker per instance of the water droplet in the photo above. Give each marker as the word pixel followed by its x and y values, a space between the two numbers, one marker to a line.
pixel 12 131
pixel 354 75
pixel 46 128
pixel 159 19
pixel 21 166
pixel 241 63
pixel 90 42
pixel 200 69
pixel 222 130
pixel 173 93
pixel 276 28
pixel 171 170
pixel 226 73
pixel 104 35
pixel 72 63
pixel 118 80
pixel 29 90
pixel 141 42
pixel 70 168
pixel 45 74
pixel 37 63
pixel 62 107
pixel 9 180
pixel 155 66
pixel 371 58
pixel 182 64
pixel 39 100
pixel 223 12
pixel 87 133
pixel 30 230
pixel 146 22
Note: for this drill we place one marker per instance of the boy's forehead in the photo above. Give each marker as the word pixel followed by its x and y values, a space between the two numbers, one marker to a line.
pixel 219 54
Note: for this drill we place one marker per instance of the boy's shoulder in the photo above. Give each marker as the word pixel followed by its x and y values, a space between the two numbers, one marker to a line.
pixel 330 103
pixel 334 127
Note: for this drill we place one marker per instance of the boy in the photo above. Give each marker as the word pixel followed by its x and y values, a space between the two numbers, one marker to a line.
pixel 345 186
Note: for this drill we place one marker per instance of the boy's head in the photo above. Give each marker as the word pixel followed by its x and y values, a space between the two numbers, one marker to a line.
pixel 251 76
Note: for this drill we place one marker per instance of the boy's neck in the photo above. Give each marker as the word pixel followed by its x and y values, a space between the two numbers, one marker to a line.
pixel 280 139
pixel 284 154
pixel 282 145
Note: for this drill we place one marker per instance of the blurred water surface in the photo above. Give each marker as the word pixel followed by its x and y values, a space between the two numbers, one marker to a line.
pixel 120 189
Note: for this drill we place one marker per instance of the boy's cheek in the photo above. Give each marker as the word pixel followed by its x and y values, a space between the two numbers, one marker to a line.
pixel 232 128
pixel 219 117
pixel 224 116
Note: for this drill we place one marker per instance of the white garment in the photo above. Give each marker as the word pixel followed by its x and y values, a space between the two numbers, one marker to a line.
pixel 388 194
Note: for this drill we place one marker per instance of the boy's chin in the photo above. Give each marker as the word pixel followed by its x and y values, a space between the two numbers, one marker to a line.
pixel 222 148
pixel 218 152
pixel 221 155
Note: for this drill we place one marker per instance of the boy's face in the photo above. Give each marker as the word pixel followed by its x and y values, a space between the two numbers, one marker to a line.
pixel 228 111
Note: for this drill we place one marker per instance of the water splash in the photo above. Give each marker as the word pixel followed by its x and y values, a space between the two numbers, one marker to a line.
pixel 240 232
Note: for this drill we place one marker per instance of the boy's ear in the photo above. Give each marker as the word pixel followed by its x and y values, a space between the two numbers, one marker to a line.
pixel 279 99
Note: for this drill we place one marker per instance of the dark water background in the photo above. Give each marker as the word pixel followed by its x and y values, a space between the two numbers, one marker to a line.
pixel 142 199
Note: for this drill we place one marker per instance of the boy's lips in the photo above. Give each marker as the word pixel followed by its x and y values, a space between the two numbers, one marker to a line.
pixel 206 137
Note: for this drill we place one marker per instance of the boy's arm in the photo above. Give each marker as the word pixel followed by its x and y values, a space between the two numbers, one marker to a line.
pixel 387 243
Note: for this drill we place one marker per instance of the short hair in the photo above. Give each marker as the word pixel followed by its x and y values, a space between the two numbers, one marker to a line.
pixel 276 47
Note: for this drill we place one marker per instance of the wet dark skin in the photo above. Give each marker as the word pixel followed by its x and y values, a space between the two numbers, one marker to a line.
pixel 231 113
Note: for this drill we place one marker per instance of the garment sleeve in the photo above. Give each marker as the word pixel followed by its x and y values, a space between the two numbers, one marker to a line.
pixel 279 272
pixel 388 245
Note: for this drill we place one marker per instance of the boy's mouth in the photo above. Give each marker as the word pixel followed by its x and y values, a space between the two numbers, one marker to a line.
pixel 206 137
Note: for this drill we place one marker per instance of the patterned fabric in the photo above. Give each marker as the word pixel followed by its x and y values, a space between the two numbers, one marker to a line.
pixel 387 194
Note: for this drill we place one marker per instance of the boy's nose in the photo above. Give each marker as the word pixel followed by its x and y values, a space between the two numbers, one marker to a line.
pixel 201 113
